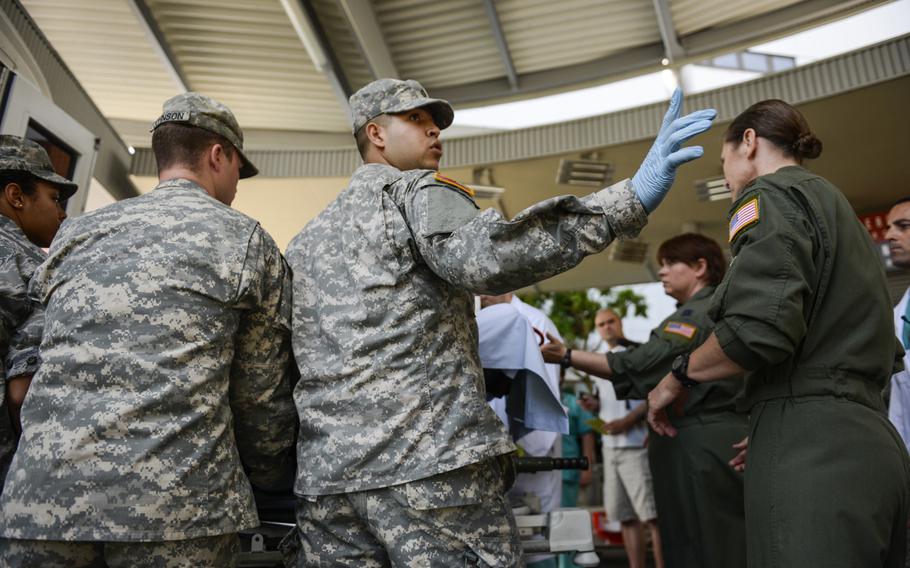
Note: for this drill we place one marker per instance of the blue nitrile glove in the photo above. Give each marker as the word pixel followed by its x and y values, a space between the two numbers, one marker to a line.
pixel 655 176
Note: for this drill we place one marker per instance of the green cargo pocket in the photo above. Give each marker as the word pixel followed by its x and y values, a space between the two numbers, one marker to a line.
pixel 289 548
pixel 493 553
pixel 468 507
pixel 457 488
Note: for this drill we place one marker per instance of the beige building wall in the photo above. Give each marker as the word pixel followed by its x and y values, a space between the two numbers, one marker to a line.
pixel 282 205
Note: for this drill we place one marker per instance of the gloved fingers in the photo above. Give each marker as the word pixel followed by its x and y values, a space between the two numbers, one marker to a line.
pixel 684 155
pixel 673 111
pixel 676 139
pixel 692 117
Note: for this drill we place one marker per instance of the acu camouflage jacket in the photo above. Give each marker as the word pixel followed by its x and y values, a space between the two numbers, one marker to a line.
pixel 163 376
pixel 384 334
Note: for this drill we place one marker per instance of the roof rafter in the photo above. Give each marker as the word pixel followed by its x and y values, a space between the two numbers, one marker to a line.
pixel 159 43
pixel 311 33
pixel 501 44
pixel 362 17
pixel 668 34
pixel 621 64
pixel 696 46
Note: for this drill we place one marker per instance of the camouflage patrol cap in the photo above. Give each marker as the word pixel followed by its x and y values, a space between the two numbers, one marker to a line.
pixel 205 112
pixel 388 96
pixel 22 154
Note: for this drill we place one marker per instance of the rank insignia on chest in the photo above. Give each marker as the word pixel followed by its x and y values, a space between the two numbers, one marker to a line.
pixel 453 184
pixel 746 215
pixel 679 328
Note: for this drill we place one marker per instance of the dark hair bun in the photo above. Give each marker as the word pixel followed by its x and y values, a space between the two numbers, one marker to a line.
pixel 807 146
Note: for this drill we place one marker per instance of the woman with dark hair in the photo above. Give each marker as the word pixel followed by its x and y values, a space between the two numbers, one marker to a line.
pixel 805 311
pixel 699 496
pixel 30 214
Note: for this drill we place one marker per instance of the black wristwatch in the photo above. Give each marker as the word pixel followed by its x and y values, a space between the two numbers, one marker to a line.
pixel 680 368
pixel 566 360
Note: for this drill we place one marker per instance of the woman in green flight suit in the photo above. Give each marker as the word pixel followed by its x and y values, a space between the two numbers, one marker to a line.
pixel 805 310
pixel 698 494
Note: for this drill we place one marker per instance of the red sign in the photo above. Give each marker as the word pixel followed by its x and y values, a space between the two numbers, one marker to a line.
pixel 876 224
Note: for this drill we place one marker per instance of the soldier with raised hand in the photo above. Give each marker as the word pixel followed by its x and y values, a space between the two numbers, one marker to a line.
pixel 164 373
pixel 31 210
pixel 398 448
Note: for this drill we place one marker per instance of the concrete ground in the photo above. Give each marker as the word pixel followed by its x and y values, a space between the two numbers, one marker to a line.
pixel 615 557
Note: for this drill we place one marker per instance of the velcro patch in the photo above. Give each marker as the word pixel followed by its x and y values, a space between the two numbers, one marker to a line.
pixel 452 183
pixel 447 211
pixel 679 328
pixel 746 215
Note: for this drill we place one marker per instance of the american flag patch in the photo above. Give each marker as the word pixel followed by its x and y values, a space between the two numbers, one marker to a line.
pixel 744 216
pixel 679 328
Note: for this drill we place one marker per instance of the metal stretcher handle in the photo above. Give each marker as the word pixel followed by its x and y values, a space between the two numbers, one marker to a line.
pixel 530 465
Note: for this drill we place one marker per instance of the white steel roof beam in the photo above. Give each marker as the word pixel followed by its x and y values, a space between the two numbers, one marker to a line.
pixel 159 43
pixel 790 19
pixel 362 18
pixel 668 30
pixel 616 65
pixel 501 44
pixel 309 30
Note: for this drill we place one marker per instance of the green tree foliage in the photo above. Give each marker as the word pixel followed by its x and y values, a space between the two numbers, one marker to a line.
pixel 573 312
pixel 626 300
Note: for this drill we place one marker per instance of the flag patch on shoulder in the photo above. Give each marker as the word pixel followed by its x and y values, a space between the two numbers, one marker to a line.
pixel 452 183
pixel 679 328
pixel 746 215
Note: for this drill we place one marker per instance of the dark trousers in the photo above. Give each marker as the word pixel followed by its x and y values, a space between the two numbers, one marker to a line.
pixel 827 484
pixel 699 496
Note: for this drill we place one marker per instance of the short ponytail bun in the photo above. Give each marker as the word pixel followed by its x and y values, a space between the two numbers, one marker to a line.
pixel 781 124
pixel 807 146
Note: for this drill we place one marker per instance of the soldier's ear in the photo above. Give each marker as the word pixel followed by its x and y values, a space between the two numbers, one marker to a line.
pixel 13 194
pixel 700 267
pixel 375 134
pixel 216 157
pixel 218 153
pixel 749 142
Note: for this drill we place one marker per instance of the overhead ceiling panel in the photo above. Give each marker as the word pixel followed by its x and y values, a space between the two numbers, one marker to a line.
pixel 343 43
pixel 694 15
pixel 543 34
pixel 440 43
pixel 247 55
pixel 108 51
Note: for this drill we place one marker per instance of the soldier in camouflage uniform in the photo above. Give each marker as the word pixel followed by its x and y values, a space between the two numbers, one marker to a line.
pixel 164 371
pixel 399 449
pixel 31 211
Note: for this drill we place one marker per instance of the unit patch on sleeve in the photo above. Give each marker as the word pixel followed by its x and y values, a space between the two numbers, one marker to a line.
pixel 454 184
pixel 679 328
pixel 746 215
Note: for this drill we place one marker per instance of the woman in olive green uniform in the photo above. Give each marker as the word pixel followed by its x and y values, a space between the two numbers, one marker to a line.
pixel 804 308
pixel 699 496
